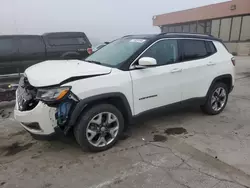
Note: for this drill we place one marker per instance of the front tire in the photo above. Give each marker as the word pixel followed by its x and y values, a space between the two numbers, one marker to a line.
pixel 99 128
pixel 216 99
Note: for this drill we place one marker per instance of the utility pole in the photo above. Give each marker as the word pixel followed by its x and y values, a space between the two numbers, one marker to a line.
pixel 14 16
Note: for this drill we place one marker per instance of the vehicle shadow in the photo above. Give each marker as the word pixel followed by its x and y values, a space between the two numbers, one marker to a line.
pixel 154 118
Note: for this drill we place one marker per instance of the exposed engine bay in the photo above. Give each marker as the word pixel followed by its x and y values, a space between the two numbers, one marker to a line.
pixel 26 95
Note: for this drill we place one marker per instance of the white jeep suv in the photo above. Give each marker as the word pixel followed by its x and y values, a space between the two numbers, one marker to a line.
pixel 97 97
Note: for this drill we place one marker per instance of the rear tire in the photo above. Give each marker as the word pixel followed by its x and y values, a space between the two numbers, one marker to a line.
pixel 216 99
pixel 99 128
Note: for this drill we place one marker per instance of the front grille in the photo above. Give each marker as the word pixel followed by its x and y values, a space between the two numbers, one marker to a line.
pixel 26 94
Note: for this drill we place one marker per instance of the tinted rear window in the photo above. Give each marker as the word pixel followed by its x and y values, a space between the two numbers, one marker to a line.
pixel 193 49
pixel 65 41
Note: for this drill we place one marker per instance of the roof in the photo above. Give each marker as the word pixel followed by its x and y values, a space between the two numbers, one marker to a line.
pixel 214 11
pixel 52 34
pixel 20 36
pixel 64 34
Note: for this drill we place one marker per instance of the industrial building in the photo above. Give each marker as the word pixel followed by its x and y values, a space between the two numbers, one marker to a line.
pixel 229 21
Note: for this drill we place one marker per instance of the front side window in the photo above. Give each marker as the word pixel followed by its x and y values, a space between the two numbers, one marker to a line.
pixel 165 52
pixel 117 52
pixel 193 49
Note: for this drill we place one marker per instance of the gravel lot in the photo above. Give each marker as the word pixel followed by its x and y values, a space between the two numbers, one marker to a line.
pixel 177 149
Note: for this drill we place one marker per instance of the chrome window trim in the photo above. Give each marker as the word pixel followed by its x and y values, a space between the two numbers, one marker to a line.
pixel 132 67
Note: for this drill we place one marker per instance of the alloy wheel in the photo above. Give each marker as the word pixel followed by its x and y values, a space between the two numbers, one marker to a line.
pixel 102 129
pixel 218 99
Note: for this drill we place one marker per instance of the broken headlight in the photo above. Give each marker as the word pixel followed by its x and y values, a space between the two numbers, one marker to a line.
pixel 52 94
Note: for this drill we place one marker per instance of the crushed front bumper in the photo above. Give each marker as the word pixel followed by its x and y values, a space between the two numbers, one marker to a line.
pixel 38 121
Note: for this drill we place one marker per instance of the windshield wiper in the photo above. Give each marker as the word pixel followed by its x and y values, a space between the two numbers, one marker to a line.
pixel 96 62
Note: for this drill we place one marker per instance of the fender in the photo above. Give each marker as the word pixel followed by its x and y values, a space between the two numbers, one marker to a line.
pixel 70 55
pixel 220 78
pixel 82 104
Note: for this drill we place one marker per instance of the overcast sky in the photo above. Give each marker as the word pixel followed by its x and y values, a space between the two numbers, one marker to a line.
pixel 100 19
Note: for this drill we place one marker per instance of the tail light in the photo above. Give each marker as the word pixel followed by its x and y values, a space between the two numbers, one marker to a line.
pixel 233 61
pixel 89 50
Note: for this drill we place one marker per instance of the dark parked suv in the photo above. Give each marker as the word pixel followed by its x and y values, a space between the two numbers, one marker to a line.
pixel 18 52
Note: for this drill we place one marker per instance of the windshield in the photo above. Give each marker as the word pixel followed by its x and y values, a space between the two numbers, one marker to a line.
pixel 116 52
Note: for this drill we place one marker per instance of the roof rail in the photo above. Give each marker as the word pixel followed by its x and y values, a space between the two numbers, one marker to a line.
pixel 185 33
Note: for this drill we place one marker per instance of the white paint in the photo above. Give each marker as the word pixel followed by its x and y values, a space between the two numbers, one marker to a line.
pixel 147 61
pixel 116 81
pixel 53 72
pixel 41 114
pixel 197 75
pixel 159 84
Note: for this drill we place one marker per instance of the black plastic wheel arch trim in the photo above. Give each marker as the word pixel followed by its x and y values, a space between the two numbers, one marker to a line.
pixel 80 106
pixel 219 78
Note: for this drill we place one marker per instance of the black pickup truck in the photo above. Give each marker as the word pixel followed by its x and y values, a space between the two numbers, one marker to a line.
pixel 18 52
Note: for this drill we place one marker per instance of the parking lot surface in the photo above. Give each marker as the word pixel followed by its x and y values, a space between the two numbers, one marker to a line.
pixel 179 149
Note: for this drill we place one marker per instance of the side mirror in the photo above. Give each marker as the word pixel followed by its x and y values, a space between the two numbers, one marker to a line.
pixel 147 61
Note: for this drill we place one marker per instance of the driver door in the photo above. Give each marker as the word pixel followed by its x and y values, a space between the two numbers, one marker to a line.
pixel 160 85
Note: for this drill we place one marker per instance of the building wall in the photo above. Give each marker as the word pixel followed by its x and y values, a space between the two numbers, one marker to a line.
pixel 241 48
pixel 234 31
pixel 226 9
pixel 245 32
pixel 229 21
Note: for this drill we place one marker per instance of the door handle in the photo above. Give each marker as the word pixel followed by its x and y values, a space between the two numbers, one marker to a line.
pixel 210 63
pixel 176 70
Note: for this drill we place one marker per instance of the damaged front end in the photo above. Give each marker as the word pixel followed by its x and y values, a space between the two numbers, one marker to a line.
pixel 59 98
pixel 64 110
pixel 63 100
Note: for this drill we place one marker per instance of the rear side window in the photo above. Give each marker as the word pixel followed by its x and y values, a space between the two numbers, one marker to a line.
pixel 65 41
pixel 210 48
pixel 6 44
pixel 31 45
pixel 193 49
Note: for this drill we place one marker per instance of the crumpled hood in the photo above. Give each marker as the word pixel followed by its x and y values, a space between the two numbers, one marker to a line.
pixel 54 72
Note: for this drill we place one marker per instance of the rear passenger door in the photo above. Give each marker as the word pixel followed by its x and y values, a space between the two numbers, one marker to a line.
pixel 31 51
pixel 197 66
pixel 9 62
